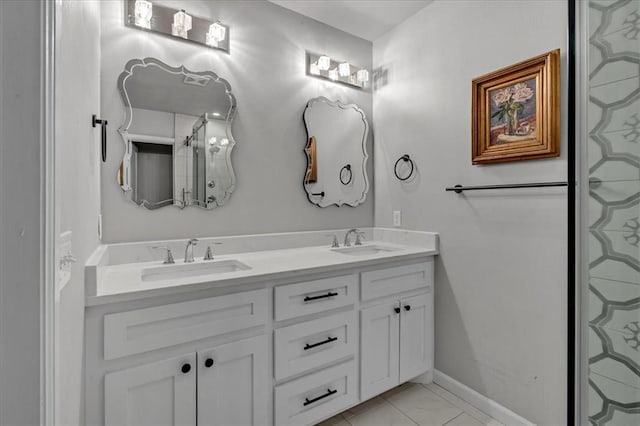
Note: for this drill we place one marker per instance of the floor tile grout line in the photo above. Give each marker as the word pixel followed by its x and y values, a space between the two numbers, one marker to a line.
pixel 403 413
pixel 463 412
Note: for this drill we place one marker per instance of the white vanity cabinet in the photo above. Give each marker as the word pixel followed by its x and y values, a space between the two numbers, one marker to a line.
pixel 396 333
pixel 290 351
pixel 224 385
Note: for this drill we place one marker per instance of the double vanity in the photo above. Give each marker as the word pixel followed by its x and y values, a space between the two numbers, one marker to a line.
pixel 276 329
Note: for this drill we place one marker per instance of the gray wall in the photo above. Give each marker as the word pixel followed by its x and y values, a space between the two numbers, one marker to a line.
pixel 501 276
pixel 21 255
pixel 77 186
pixel 266 71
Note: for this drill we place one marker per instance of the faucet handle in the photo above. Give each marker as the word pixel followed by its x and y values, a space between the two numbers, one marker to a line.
pixel 168 260
pixel 208 255
pixel 359 237
pixel 334 244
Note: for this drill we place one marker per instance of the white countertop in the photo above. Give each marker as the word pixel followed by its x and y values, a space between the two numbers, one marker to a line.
pixel 123 282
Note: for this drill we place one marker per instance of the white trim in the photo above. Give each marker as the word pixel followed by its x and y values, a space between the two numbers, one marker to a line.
pixel 481 402
pixel 47 216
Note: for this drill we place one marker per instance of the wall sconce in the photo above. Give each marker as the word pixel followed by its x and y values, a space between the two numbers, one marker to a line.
pixel 322 66
pixel 145 15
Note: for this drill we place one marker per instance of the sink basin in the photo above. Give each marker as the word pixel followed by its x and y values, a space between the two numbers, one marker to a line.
pixel 167 272
pixel 366 250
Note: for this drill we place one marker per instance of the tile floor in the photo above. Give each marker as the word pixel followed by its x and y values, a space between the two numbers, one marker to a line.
pixel 413 404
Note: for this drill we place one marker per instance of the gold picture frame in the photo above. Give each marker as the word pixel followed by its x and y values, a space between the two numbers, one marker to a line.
pixel 516 111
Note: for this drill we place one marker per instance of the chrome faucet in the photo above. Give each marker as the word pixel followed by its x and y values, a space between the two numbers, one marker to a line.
pixel 188 254
pixel 347 241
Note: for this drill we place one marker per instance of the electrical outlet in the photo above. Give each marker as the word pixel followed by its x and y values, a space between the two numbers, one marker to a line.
pixel 397 218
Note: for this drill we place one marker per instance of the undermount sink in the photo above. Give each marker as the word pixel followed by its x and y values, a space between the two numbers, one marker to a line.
pixel 366 250
pixel 167 272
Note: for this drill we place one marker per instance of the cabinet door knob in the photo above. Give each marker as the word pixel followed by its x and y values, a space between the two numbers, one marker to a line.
pixel 186 368
pixel 407 307
pixel 397 309
pixel 208 362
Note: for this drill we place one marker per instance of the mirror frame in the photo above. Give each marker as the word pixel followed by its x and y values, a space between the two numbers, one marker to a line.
pixel 125 165
pixel 308 152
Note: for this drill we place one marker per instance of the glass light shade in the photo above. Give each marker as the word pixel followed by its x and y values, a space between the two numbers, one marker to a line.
pixel 344 69
pixel 224 142
pixel 181 24
pixel 324 62
pixel 333 74
pixel 213 140
pixel 143 12
pixel 314 69
pixel 362 76
pixel 217 32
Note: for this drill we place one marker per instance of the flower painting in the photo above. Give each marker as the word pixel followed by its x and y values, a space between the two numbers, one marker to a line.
pixel 516 111
pixel 513 112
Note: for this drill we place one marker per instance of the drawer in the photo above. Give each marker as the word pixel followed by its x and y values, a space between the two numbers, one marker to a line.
pixel 385 282
pixel 301 347
pixel 307 400
pixel 132 332
pixel 294 300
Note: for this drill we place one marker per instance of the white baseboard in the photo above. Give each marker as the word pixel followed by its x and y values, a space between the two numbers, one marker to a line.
pixel 481 402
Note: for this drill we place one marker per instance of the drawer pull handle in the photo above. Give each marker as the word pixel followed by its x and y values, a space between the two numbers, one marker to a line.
pixel 330 392
pixel 208 362
pixel 397 309
pixel 186 367
pixel 324 296
pixel 407 307
pixel 324 342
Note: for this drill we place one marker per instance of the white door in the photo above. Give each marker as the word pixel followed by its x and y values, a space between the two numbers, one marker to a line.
pixel 380 331
pixel 232 384
pixel 416 336
pixel 156 394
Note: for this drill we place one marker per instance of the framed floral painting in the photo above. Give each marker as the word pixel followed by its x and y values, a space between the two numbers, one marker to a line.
pixel 516 111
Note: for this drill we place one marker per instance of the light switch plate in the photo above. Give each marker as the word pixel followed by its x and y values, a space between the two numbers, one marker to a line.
pixel 397 218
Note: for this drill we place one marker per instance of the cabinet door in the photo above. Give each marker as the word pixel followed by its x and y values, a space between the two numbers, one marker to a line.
pixel 379 349
pixel 416 336
pixel 232 384
pixel 156 394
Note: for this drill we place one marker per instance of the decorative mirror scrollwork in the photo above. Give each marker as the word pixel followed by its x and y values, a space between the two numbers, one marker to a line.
pixel 336 152
pixel 177 136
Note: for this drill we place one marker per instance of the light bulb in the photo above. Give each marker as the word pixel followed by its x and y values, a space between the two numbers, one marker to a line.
pixel 344 69
pixel 217 33
pixel 143 12
pixel 314 69
pixel 324 63
pixel 213 140
pixel 224 142
pixel 181 24
pixel 362 76
pixel 333 74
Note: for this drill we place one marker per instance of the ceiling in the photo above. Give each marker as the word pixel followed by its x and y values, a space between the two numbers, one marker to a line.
pixel 368 19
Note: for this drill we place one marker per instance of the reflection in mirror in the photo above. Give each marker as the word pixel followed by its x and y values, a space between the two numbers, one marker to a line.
pixel 177 136
pixel 336 153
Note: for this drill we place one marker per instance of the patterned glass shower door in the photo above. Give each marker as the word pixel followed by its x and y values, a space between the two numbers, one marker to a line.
pixel 613 170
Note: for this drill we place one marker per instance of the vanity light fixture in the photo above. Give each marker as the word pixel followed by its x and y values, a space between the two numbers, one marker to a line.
pixel 362 76
pixel 344 69
pixel 181 24
pixel 143 13
pixel 322 66
pixel 216 34
pixel 324 63
pixel 148 15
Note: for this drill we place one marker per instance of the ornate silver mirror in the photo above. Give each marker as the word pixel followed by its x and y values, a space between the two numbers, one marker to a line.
pixel 177 136
pixel 336 153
